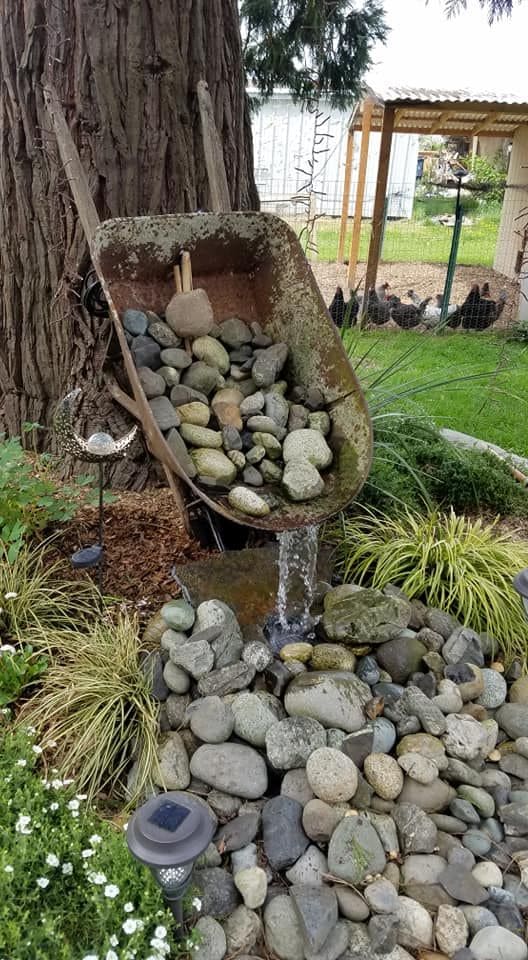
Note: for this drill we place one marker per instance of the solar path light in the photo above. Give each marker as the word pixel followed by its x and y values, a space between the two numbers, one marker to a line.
pixel 167 834
pixel 520 584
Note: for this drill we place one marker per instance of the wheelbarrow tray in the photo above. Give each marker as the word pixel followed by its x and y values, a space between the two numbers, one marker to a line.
pixel 252 266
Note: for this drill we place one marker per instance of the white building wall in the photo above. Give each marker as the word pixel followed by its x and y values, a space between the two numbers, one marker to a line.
pixel 282 139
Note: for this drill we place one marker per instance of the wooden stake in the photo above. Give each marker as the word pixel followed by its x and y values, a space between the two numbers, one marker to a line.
pixel 379 200
pixel 368 108
pixel 213 152
pixel 346 196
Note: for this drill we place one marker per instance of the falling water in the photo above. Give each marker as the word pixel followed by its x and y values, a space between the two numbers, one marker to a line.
pixel 297 573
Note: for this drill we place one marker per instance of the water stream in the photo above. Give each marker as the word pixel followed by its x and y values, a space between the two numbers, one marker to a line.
pixel 297 576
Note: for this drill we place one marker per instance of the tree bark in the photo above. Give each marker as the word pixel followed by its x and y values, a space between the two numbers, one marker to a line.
pixel 126 74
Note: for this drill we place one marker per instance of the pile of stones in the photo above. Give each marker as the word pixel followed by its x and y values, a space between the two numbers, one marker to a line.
pixel 370 788
pixel 217 396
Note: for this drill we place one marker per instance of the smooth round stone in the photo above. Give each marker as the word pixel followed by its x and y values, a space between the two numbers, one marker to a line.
pixel 367 670
pixel 135 322
pixel 270 443
pixel 418 768
pixel 495 689
pixel 231 767
pixel 381 896
pixel 295 785
pixel 258 654
pixel 244 858
pixel 238 458
pixel 430 797
pixel 200 376
pixel 196 413
pixel 449 824
pixel 270 471
pixel 171 377
pixel 519 691
pixel 513 717
pixel 228 416
pixel 234 332
pixel 320 420
pixel 277 408
pixel 478 842
pixel 282 929
pixel 297 651
pixel 161 332
pixel 212 352
pixel 351 905
pixel 461 857
pixel 384 775
pixel 290 742
pixel 211 720
pixel 301 480
pixel 488 874
pixel 384 735
pixel 175 357
pixel 178 614
pixel 451 929
pixel 334 738
pixel 212 944
pixel 465 737
pixel 214 464
pixel 253 404
pixel 335 698
pixel 464 811
pixel 309 868
pixel 248 502
pixel 478 918
pixel 479 799
pixel 497 943
pixel 252 884
pixel 263 424
pixel 153 385
pixel 201 436
pixel 332 656
pixel 320 819
pixel 355 850
pixel 254 714
pixel 416 926
pixel 332 775
pixel 307 445
pixel 164 413
pixel 173 762
pixel 521 746
pixel 426 745
pixel 176 679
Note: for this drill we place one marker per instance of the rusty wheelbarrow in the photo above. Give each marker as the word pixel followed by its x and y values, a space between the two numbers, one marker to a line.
pixel 251 265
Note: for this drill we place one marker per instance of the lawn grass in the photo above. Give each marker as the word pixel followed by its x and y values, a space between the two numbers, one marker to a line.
pixel 420 239
pixel 493 408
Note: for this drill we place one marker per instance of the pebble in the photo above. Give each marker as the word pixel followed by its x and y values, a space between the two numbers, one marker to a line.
pixel 478 918
pixel 211 720
pixel 282 929
pixel 334 698
pixel 418 768
pixel 495 689
pixel 320 819
pixel 178 615
pixel 416 926
pixel 295 785
pixel 283 835
pixel 309 868
pixel 254 714
pixel 355 850
pixel 247 501
pixel 290 742
pixel 461 885
pixel 381 896
pixel 488 874
pixel 231 767
pixel 417 832
pixel 497 943
pixel 301 480
pixel 252 884
pixel 316 908
pixel 212 944
pixel 384 775
pixel 451 929
pixel 332 775
pixel 351 905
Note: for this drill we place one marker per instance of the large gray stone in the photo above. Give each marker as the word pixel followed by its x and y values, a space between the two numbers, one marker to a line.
pixel 301 480
pixel 242 929
pixel 401 657
pixel 422 868
pixel 212 944
pixel 334 946
pixel 231 767
pixel 211 720
pixel 513 719
pixel 417 832
pixel 213 464
pixel 465 737
pixel 290 742
pixel 332 775
pixel 173 772
pixel 463 646
pixel 316 907
pixel 497 943
pixel 153 385
pixel 216 891
pixel 226 680
pixel 416 926
pixel 309 868
pixel 252 884
pixel 195 657
pixel 269 364
pixel 254 714
pixel 364 617
pixel 430 797
pixel 282 929
pixel 334 698
pixel 238 833
pixel 416 704
pixel 229 644
pixel 461 885
pixel 381 896
pixel 283 835
pixel 355 850
pixel 307 445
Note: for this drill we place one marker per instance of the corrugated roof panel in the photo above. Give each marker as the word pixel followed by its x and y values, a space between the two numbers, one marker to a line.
pixel 426 95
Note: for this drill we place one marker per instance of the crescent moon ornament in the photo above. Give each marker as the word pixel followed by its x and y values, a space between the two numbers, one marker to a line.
pixel 99 447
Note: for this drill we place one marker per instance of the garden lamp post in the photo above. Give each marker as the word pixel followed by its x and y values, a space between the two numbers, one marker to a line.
pixel 520 583
pixel 167 834
pixel 99 448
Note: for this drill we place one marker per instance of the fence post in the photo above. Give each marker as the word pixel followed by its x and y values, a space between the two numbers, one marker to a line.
pixel 453 253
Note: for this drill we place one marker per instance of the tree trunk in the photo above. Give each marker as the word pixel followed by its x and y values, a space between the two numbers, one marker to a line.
pixel 126 74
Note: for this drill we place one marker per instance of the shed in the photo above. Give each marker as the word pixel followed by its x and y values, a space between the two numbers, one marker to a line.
pixel 450 113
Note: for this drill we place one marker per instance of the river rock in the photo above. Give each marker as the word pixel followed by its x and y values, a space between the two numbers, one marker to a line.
pixel 418 768
pixel 290 742
pixel 162 333
pixel 309 868
pixel 479 798
pixel 364 617
pixel 355 850
pixel 231 767
pixel 200 376
pixel 307 445
pixel 195 413
pixel 242 929
pixel 430 797
pixel 211 720
pixel 316 908
pixel 295 785
pixel 519 691
pixel 254 714
pixel 269 364
pixel 332 656
pixel 252 885
pixel 153 385
pixel 178 448
pixel 488 874
pixel 284 838
pixel 230 679
pixel 234 333
pixel 350 904
pixel 416 704
pixel 228 644
pixel 495 689
pixel 401 658
pixel 422 869
pixel 282 929
pixel 334 698
pixel 212 944
pixel 497 943
pixel 173 772
pixel 334 946
pixel 416 926
pixel 301 480
pixel 146 352
pixel 214 464
pixel 384 775
pixel 451 929
pixel 461 885
pixel 513 719
pixel 277 408
pixel 320 819
pixel 478 918
pixel 383 932
pixel 178 615
pixel 417 832
pixel 177 680
pixel 212 352
pixel 164 413
pixel 381 896
pixel 426 745
pixel 196 657
pixel 465 737
pixel 332 775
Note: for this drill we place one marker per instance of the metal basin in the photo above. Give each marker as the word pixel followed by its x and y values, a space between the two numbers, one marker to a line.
pixel 252 266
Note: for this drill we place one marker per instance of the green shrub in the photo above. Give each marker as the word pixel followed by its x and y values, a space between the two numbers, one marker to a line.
pixel 69 889
pixel 19 669
pixel 95 702
pixel 460 565
pixel 490 176
pixel 31 497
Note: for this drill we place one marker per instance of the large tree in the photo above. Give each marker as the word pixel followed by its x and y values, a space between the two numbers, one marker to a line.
pixel 126 73
pixel 495 8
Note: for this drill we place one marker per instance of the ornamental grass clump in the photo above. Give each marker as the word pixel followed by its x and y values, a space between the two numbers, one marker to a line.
pixel 69 889
pixel 96 703
pixel 460 565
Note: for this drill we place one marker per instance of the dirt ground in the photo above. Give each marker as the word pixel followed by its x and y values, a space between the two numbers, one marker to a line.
pixel 426 279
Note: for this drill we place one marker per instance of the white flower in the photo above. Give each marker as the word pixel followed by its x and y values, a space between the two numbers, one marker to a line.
pixel 87 853
pixel 21 763
pixel 75 813
pixel 197 903
pixel 128 908
pixel 160 932
pixel 36 749
pixel 42 882
pixel 160 945
pixel 111 955
pixel 22 824
pixel 114 942
pixel 67 869
pixel 8 869
pixel 52 860
pixel 97 878
pixel 51 743
pixel 80 796
pixel 125 826
pixel 10 595
pixel 111 891
pixel 73 804
pixel 129 926
pixel 56 784
pixel 91 956
pixel 66 783
pixel 94 839
pixel 7 648
pixel 54 806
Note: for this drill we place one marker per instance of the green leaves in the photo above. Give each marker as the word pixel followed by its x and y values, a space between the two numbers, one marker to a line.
pixel 460 565
pixel 18 670
pixel 317 50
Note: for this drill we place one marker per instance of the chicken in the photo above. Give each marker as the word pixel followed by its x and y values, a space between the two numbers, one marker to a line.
pixel 433 312
pixel 337 307
pixel 378 311
pixel 479 311
pixel 382 291
pixel 408 315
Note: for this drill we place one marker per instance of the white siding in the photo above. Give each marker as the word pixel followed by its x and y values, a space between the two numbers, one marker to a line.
pixel 282 138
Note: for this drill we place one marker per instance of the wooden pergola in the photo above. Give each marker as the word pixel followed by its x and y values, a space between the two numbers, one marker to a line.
pixel 457 113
